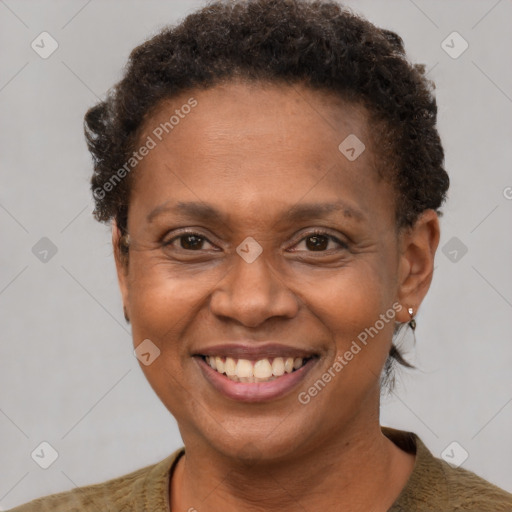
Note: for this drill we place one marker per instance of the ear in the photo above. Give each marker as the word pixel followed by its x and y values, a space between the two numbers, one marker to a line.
pixel 121 260
pixel 418 245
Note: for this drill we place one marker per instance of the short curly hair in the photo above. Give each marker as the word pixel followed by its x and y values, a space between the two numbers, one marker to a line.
pixel 317 43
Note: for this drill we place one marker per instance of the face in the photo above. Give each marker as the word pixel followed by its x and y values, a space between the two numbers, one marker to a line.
pixel 255 240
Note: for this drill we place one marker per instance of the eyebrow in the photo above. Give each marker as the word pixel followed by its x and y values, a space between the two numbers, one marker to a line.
pixel 303 211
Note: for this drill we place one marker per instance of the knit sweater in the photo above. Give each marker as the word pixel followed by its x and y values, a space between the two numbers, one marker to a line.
pixel 433 486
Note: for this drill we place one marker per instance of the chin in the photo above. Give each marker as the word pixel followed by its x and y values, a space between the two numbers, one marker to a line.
pixel 257 440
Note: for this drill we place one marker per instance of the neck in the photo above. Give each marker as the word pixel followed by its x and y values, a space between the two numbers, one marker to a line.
pixel 359 470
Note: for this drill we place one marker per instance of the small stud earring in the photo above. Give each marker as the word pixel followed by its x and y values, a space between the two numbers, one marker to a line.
pixel 126 317
pixel 412 321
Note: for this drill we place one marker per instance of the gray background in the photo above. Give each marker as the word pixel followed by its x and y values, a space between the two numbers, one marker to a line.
pixel 68 375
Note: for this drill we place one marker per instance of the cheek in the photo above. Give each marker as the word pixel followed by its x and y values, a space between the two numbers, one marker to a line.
pixel 352 299
pixel 163 304
pixel 351 313
pixel 163 298
pixel 350 306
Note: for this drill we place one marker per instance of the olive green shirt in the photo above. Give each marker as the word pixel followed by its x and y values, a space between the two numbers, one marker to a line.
pixel 433 486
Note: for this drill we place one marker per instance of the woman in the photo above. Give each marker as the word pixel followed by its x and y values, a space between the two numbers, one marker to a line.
pixel 273 175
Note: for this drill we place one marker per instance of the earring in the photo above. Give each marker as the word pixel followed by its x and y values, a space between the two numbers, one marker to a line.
pixel 412 321
pixel 126 317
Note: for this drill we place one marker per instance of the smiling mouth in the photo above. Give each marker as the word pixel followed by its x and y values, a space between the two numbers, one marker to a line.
pixel 261 370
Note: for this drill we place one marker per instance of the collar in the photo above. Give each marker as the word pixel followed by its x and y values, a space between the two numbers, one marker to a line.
pixel 427 484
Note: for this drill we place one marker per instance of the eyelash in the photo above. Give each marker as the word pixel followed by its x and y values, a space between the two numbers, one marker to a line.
pixel 315 232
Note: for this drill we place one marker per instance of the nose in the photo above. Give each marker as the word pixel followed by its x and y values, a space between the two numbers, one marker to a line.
pixel 251 293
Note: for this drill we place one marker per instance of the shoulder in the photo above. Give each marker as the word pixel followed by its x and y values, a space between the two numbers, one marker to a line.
pixel 435 485
pixel 147 485
pixel 467 491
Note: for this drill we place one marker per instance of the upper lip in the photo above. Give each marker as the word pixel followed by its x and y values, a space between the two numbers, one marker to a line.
pixel 254 352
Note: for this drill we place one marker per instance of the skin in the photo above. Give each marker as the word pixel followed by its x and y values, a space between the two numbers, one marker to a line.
pixel 280 455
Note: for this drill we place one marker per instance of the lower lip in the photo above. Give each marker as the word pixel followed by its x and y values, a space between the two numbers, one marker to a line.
pixel 254 391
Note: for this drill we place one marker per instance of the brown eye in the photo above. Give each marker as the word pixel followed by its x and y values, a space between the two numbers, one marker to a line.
pixel 188 242
pixel 317 242
pixel 191 242
pixel 320 242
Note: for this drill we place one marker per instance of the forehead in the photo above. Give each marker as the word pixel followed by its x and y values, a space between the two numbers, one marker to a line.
pixel 253 143
pixel 240 109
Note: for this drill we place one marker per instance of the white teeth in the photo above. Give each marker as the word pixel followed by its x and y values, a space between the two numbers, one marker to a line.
pixel 262 369
pixel 288 365
pixel 230 367
pixel 278 366
pixel 219 363
pixel 244 370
